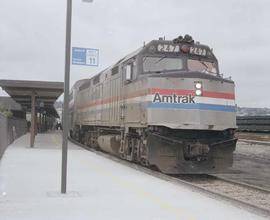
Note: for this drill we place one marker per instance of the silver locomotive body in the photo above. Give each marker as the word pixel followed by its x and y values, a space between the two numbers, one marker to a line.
pixel 162 107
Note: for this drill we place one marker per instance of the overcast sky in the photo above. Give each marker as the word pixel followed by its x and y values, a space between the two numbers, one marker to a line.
pixel 32 37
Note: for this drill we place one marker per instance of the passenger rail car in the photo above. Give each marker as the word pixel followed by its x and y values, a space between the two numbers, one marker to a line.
pixel 165 105
pixel 259 123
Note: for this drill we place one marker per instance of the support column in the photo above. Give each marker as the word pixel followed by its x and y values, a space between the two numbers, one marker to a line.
pixel 33 117
pixel 43 123
pixel 39 122
pixel 36 123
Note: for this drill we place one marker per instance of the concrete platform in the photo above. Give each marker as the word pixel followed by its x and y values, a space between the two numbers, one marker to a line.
pixel 98 188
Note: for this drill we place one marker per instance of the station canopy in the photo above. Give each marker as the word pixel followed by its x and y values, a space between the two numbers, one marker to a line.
pixel 46 93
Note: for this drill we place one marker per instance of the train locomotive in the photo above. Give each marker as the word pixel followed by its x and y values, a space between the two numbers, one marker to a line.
pixel 165 106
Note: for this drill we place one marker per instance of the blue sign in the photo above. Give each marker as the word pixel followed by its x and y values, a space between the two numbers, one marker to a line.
pixel 85 56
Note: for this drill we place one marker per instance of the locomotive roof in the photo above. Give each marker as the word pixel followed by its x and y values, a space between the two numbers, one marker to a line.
pixel 127 57
pixel 78 83
pixel 146 47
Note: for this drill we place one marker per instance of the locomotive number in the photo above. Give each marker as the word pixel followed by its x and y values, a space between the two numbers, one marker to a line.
pixel 197 51
pixel 168 48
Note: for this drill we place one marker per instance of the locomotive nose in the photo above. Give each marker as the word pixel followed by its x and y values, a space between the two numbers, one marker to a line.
pixel 192 103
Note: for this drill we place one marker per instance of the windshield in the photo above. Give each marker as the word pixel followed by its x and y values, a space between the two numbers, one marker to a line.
pixel 154 64
pixel 202 66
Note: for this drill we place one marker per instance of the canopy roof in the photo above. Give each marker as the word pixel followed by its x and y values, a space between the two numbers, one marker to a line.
pixel 46 93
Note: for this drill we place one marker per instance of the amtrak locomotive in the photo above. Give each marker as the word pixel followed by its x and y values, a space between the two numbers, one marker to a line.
pixel 165 106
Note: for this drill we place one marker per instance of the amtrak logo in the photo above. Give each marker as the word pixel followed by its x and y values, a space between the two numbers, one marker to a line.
pixel 158 98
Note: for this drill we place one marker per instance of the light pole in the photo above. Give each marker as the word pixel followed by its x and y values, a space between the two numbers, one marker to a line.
pixel 66 96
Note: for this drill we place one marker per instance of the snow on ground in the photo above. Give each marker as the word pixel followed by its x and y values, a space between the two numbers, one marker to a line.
pixel 98 188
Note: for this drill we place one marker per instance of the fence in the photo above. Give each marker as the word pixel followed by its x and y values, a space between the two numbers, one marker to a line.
pixel 10 129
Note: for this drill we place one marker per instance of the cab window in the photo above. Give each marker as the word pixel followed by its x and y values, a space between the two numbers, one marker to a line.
pixel 129 71
pixel 202 66
pixel 157 64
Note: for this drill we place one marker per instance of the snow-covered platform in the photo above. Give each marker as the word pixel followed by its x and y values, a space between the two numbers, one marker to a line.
pixel 98 188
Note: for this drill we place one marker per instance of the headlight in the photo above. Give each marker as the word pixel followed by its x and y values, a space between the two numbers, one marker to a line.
pixel 198 88
pixel 198 85
pixel 198 92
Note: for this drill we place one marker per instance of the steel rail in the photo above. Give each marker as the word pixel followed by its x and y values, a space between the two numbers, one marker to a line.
pixel 249 186
pixel 267 143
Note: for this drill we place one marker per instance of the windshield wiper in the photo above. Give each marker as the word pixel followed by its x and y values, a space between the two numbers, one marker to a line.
pixel 162 58
pixel 144 59
pixel 207 68
pixel 204 64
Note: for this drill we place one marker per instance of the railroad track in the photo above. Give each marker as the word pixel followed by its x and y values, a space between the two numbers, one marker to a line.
pixel 246 194
pixel 252 198
pixel 250 141
pixel 246 185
